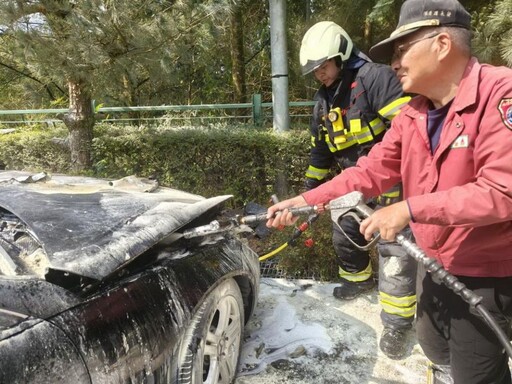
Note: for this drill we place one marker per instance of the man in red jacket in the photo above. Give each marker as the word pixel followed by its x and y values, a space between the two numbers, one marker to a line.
pixel 450 147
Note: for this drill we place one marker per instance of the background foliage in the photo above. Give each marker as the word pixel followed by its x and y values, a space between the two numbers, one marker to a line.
pixel 149 52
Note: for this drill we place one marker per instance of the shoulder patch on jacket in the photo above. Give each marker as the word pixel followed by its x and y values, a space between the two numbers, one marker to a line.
pixel 505 108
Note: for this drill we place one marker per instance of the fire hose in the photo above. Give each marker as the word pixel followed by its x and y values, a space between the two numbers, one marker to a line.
pixel 298 231
pixel 353 204
pixel 313 213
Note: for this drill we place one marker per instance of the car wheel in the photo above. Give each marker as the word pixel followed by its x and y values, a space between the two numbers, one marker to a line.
pixel 211 346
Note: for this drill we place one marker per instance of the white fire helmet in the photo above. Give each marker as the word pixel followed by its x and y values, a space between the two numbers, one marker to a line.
pixel 323 41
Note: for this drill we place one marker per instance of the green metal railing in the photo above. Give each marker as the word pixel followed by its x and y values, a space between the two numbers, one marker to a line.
pixel 255 112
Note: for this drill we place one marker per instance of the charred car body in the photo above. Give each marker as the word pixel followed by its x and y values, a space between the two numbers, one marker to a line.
pixel 98 284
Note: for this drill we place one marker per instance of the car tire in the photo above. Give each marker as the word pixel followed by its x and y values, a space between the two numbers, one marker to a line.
pixel 211 345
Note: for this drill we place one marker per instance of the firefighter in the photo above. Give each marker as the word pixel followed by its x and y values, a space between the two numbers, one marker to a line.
pixel 354 105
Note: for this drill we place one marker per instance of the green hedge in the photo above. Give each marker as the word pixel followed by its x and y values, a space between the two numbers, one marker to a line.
pixel 207 161
pixel 242 161
pixel 34 150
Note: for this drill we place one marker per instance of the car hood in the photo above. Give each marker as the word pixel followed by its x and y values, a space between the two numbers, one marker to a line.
pixel 92 227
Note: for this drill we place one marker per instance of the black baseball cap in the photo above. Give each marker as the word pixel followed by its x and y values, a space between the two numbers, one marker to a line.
pixel 416 14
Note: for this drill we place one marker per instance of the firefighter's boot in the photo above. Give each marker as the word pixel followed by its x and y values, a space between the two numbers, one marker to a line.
pixel 393 342
pixel 349 290
pixel 352 284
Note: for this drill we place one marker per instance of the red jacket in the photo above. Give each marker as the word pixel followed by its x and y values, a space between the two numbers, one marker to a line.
pixel 460 197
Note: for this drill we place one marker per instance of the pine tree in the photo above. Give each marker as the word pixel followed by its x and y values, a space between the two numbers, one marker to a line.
pixel 99 47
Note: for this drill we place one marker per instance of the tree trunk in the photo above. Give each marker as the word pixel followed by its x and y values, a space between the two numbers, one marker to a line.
pixel 129 99
pixel 80 122
pixel 237 53
pixel 281 184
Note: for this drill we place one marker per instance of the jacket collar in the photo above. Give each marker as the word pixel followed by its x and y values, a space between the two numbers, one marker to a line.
pixel 469 84
pixel 326 93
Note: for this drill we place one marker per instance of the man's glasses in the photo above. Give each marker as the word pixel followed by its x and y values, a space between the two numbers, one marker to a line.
pixel 402 48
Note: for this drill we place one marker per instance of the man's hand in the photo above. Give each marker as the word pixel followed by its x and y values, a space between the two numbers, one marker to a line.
pixel 283 216
pixel 387 221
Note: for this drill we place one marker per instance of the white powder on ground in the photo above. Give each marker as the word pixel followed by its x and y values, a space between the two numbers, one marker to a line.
pixel 301 334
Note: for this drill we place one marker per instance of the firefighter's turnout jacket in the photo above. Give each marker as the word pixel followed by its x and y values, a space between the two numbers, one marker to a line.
pixel 348 119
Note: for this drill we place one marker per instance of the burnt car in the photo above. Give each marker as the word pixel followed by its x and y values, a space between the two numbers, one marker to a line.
pixel 119 281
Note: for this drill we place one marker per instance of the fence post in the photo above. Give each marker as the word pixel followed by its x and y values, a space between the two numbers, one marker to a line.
pixel 257 114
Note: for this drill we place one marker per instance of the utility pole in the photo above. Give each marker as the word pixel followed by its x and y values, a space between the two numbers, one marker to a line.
pixel 279 56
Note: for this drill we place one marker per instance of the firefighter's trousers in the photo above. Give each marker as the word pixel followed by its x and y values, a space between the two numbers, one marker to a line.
pixel 397 272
